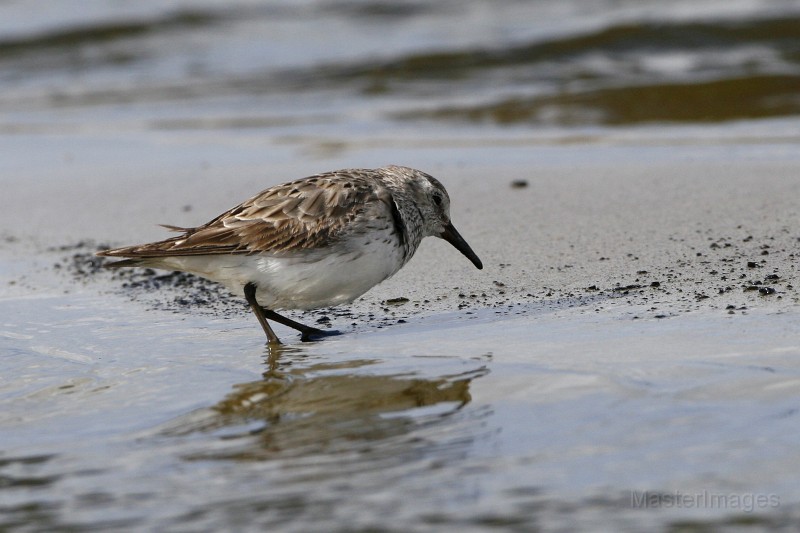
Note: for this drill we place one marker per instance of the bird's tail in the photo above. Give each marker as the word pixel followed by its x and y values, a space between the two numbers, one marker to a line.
pixel 128 252
pixel 124 263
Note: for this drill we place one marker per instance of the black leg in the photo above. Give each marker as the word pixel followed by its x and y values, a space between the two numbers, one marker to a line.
pixel 307 333
pixel 260 312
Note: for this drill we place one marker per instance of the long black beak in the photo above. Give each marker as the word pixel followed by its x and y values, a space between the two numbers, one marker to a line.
pixel 453 237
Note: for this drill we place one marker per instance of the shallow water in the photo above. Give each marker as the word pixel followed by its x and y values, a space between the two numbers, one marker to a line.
pixel 434 424
pixel 540 403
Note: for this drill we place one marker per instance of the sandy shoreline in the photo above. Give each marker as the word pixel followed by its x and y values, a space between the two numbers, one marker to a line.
pixel 679 235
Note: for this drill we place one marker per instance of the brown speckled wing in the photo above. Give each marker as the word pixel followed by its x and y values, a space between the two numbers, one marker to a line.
pixel 303 214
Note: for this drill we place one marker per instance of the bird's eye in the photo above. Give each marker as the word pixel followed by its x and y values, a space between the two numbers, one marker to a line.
pixel 437 199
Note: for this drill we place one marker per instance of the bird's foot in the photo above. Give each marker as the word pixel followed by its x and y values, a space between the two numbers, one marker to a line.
pixel 314 334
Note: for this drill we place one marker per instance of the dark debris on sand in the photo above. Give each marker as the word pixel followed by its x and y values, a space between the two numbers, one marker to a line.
pixel 172 291
pixel 730 273
pixel 726 273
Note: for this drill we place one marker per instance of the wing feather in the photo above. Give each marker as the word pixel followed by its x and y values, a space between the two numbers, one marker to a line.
pixel 302 214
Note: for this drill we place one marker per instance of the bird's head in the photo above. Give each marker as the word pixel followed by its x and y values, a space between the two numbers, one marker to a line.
pixel 431 199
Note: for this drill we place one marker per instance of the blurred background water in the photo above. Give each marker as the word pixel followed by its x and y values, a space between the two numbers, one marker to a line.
pixel 339 71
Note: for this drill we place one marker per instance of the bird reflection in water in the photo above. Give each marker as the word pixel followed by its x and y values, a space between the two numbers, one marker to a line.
pixel 326 407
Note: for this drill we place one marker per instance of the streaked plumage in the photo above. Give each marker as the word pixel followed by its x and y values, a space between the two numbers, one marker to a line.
pixel 315 242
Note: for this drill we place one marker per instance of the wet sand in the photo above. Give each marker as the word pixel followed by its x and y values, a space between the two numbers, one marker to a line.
pixel 677 236
pixel 634 332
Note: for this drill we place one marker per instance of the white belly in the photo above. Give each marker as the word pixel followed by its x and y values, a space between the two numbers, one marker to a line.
pixel 306 280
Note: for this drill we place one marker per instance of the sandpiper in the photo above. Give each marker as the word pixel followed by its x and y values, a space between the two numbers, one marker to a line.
pixel 314 242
